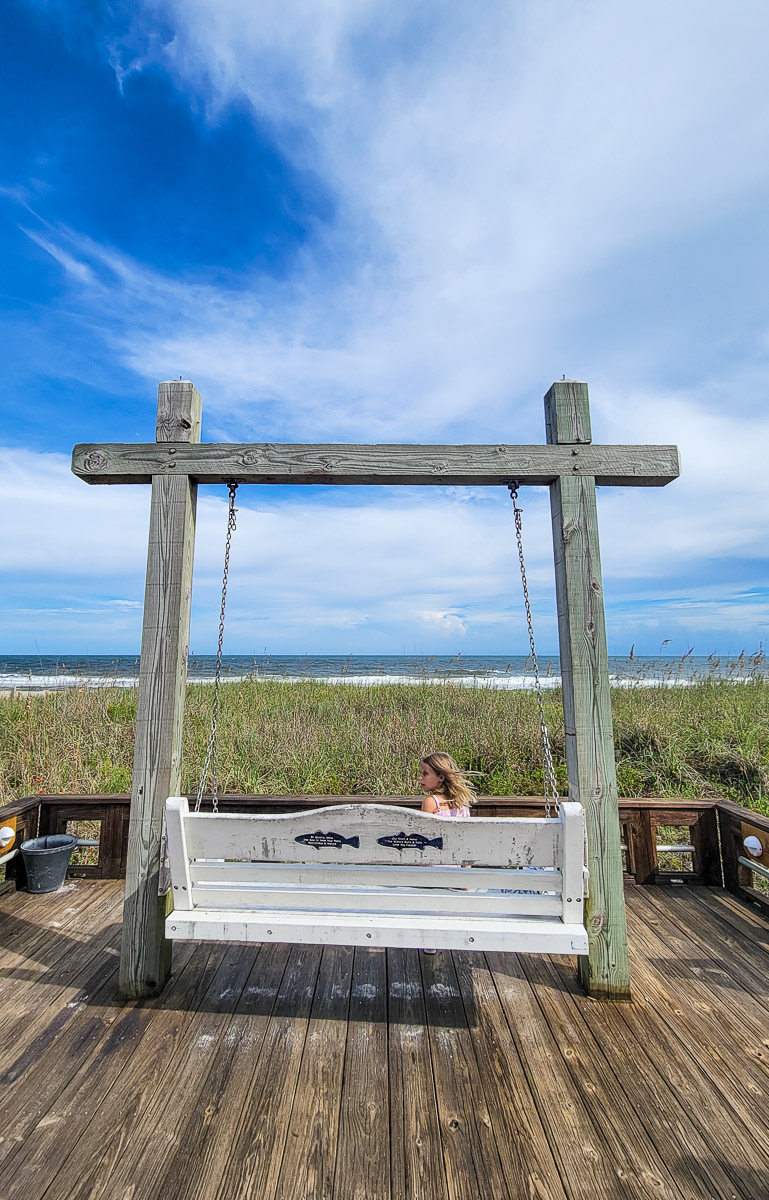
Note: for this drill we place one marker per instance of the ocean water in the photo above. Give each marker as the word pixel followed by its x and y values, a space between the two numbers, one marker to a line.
pixel 495 671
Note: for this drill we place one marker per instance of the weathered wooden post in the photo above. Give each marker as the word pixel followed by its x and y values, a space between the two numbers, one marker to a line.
pixel 586 695
pixel 145 961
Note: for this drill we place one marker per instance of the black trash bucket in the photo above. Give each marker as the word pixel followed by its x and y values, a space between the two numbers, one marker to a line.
pixel 46 859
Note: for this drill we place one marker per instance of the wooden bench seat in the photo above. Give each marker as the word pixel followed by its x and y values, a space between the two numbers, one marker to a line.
pixel 374 875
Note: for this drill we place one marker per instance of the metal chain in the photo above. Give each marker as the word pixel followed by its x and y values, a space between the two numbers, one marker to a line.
pixel 210 759
pixel 548 774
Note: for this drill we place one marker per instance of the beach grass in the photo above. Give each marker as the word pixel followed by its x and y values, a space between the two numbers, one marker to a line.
pixel 706 739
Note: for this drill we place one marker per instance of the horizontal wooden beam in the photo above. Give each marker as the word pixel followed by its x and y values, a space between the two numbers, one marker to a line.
pixel 269 462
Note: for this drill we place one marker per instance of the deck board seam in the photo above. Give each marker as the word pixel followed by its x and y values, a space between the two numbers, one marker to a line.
pixel 200 1084
pixel 606 1072
pixel 752 982
pixel 434 1078
pixel 130 1006
pixel 730 1092
pixel 356 952
pixel 533 1113
pixel 542 1108
pixel 307 1023
pixel 552 969
pixel 478 1073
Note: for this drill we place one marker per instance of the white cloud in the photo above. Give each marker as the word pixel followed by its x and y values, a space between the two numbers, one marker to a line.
pixel 482 170
pixel 491 171
pixel 444 622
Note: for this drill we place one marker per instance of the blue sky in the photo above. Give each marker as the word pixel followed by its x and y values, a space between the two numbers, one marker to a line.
pixel 380 221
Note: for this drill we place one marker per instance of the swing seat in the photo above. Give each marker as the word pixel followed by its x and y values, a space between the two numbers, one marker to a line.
pixel 376 875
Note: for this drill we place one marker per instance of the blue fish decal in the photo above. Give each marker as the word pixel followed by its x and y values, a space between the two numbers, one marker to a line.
pixel 410 841
pixel 326 841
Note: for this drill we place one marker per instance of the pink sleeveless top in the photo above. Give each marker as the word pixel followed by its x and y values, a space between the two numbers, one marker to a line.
pixel 457 813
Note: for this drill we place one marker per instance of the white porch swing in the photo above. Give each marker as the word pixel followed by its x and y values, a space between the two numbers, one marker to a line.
pixel 374 874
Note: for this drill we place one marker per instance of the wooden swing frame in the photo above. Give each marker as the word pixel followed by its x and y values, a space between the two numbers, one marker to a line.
pixel 572 467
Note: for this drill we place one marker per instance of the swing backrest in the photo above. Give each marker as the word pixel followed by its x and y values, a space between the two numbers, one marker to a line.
pixel 379 861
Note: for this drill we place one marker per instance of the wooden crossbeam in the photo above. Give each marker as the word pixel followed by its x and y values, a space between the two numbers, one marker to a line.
pixel 269 462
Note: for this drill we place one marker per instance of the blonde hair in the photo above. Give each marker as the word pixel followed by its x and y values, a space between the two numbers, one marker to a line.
pixel 456 787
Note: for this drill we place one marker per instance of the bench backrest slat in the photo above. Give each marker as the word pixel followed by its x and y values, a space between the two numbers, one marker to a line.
pixel 354 834
pixel 351 875
pixel 383 900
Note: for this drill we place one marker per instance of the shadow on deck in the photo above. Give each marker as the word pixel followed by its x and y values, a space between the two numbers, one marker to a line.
pixel 296 1073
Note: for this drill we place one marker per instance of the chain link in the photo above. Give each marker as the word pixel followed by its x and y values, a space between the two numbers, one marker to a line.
pixel 210 759
pixel 548 774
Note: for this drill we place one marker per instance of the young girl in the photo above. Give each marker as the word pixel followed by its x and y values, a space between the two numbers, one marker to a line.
pixel 449 792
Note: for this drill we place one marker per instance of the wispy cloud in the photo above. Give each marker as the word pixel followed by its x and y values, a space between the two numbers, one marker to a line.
pixel 475 199
pixel 504 182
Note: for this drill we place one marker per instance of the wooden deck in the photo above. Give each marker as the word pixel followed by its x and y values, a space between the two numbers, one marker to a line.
pixel 291 1073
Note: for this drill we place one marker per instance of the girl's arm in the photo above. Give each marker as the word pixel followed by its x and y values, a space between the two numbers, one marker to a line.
pixel 430 804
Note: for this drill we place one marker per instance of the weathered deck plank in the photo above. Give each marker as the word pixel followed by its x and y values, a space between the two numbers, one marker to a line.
pixel 613 1050
pixel 276 1072
pixel 114 1131
pixel 203 1151
pixel 751 924
pixel 68 1117
pixel 258 1143
pixel 308 1169
pixel 586 1164
pixel 701 965
pixel 144 1164
pixel 527 1158
pixel 691 1025
pixel 473 1167
pixel 362 1168
pixel 417 1169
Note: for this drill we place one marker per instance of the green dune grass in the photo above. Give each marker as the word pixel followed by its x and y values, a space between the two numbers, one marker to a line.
pixel 708 739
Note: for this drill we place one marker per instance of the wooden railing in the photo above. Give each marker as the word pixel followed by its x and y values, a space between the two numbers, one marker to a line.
pixel 712 851
pixel 745 873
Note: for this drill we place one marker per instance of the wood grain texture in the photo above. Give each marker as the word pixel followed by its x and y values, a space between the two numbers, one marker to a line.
pixel 483 841
pixel 629 1058
pixel 417 1167
pixel 219 1089
pixel 522 1142
pixel 587 706
pixel 567 413
pixel 283 463
pixel 587 1165
pixel 473 1166
pixel 313 1129
pixel 363 1160
pixel 146 955
pixel 258 1143
pixel 601 1091
pixel 160 1126
pixel 207 1127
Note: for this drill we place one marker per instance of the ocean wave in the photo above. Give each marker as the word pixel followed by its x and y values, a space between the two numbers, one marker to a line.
pixel 33 683
pixel 493 681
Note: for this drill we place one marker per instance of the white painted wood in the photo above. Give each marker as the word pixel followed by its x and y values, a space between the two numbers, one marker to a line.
pixel 265 462
pixel 573 863
pixel 481 841
pixel 249 878
pixel 460 901
pixel 177 809
pixel 353 875
pixel 523 935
